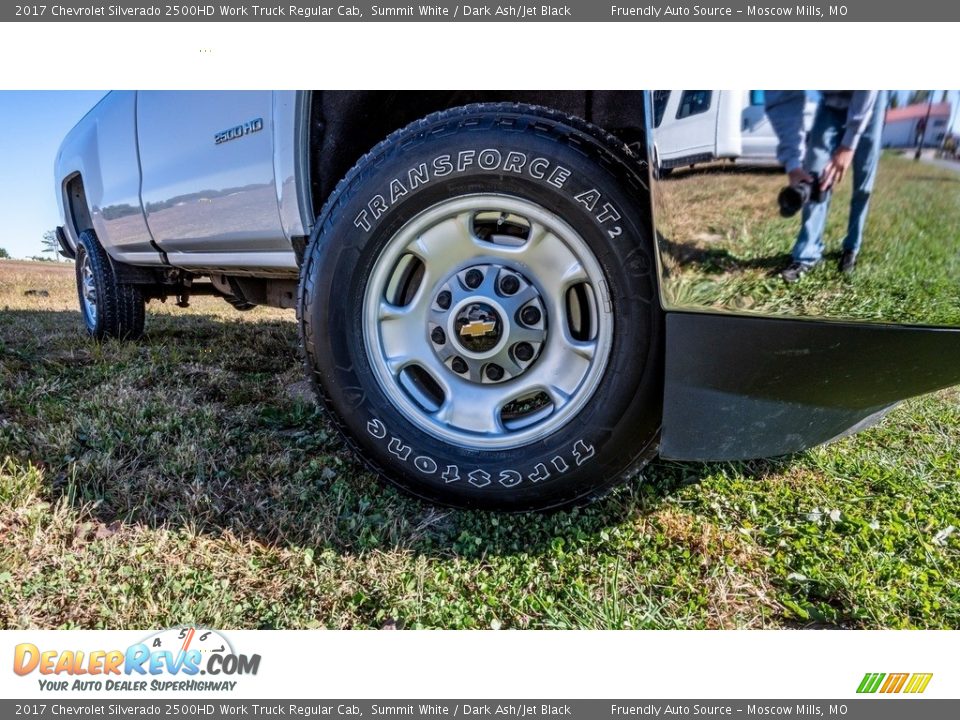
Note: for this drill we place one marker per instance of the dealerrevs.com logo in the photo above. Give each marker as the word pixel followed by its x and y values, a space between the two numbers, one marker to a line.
pixel 172 659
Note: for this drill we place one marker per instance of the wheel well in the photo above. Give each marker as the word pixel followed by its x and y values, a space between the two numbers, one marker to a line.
pixel 76 199
pixel 343 125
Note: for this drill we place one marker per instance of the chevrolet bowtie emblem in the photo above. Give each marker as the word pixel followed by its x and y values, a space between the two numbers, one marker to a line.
pixel 478 328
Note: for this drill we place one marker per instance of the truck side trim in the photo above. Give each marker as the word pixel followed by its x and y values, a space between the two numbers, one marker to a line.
pixel 252 263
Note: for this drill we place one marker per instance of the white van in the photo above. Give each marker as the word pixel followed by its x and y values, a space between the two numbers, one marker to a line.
pixel 698 126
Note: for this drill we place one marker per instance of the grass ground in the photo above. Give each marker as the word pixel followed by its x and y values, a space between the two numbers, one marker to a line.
pixel 725 243
pixel 186 479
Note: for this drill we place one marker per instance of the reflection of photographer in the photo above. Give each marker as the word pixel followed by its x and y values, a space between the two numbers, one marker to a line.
pixel 845 133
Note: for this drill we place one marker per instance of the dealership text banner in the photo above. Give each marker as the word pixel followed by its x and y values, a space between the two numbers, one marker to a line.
pixel 447 11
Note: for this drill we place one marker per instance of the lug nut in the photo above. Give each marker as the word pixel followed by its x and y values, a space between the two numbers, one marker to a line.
pixel 530 315
pixel 444 299
pixel 494 372
pixel 473 278
pixel 509 284
pixel 459 365
pixel 438 336
pixel 523 351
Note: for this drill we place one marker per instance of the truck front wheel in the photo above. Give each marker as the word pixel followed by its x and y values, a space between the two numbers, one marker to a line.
pixel 478 309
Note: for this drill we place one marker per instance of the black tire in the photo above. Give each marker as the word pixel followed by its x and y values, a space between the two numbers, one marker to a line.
pixel 615 431
pixel 120 309
pixel 659 172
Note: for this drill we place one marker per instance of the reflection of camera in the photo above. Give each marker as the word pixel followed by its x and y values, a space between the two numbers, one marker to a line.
pixel 793 197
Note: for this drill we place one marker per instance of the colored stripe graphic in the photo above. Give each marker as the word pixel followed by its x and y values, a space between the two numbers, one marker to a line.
pixel 894 683
pixel 870 682
pixel 918 682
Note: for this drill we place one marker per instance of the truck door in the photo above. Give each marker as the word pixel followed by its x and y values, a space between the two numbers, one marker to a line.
pixel 208 176
pixel 688 130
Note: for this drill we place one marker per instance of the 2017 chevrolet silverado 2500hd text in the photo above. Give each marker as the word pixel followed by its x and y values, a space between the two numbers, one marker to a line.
pixel 476 279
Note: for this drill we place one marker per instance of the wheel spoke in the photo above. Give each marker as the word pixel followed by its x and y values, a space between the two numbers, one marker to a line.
pixel 513 303
pixel 403 333
pixel 446 245
pixel 585 349
pixel 554 265
pixel 560 369
pixel 475 409
pixel 506 361
pixel 530 335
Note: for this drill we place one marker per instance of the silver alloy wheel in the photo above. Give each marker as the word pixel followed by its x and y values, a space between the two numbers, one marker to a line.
pixel 439 311
pixel 88 290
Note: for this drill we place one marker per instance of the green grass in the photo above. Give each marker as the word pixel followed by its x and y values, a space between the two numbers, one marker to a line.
pixel 185 479
pixel 725 243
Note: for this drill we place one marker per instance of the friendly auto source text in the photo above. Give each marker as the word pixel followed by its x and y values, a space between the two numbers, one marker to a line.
pixel 667 11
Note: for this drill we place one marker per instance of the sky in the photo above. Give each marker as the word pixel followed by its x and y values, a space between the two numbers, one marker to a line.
pixel 32 124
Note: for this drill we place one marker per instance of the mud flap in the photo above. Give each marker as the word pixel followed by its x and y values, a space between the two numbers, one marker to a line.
pixel 739 387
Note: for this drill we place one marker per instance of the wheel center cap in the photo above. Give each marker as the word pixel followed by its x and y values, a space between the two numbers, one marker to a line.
pixel 479 327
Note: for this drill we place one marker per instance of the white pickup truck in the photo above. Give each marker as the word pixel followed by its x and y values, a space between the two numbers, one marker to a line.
pixel 476 282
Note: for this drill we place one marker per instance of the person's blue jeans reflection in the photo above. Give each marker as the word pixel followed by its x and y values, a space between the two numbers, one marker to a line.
pixel 825 135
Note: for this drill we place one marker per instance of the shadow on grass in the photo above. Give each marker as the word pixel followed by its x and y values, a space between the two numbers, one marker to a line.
pixel 721 168
pixel 194 428
pixel 720 260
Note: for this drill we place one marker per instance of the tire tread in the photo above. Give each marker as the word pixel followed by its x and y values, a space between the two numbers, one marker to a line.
pixel 121 309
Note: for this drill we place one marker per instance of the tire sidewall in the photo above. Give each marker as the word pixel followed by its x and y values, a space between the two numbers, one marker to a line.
pixel 580 180
pixel 87 247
